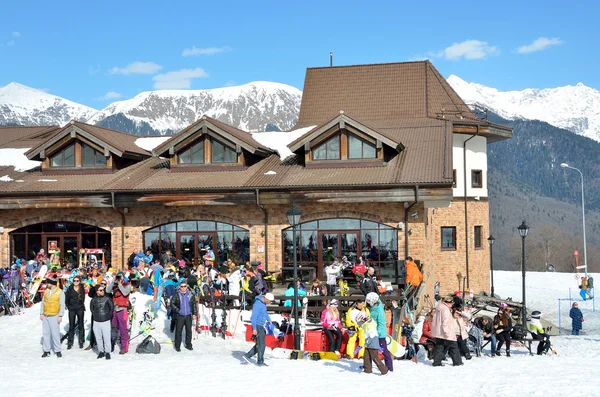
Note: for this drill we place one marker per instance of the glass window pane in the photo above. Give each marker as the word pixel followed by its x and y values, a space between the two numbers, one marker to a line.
pixel 320 153
pixel 57 160
pixel 388 245
pixel 100 159
pixel 218 152
pixel 104 242
pixel 152 243
pixel 230 155
pixel 34 244
pixel 370 245
pixel 187 226
pixel 224 247
pixel 69 154
pixel 369 151
pixel 18 247
pixel 368 225
pixel 224 226
pixel 333 148
pixel 447 237
pixel 339 224
pixel 288 246
pixel 206 226
pixel 88 240
pixel 241 247
pixel 309 225
pixel 89 155
pixel 198 153
pixel 184 157
pixel 169 227
pixel 354 147
pixel 168 241
pixel 309 252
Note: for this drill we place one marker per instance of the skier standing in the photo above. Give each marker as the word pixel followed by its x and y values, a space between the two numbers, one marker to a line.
pixel 371 351
pixel 75 301
pixel 52 310
pixel 577 319
pixel 102 308
pixel 121 302
pixel 184 304
pixel 259 319
pixel 378 315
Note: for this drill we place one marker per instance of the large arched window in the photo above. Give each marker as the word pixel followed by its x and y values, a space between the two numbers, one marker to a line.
pixel 187 240
pixel 66 238
pixel 321 242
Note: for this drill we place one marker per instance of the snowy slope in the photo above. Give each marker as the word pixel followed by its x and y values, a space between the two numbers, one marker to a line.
pixel 22 105
pixel 575 108
pixel 253 107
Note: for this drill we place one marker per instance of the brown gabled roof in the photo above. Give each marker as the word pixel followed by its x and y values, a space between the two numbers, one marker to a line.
pixel 120 143
pixel 233 134
pixel 379 92
pixel 25 137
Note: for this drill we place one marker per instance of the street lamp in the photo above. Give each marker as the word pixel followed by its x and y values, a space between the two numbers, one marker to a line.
pixel 523 230
pixel 565 165
pixel 294 215
pixel 491 240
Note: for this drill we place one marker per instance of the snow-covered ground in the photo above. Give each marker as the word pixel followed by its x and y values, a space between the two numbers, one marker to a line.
pixel 216 366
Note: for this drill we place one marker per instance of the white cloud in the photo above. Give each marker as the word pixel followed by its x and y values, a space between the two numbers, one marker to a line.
pixel 110 95
pixel 539 44
pixel 10 42
pixel 179 79
pixel 16 34
pixel 137 68
pixel 204 51
pixel 468 49
pixel 230 83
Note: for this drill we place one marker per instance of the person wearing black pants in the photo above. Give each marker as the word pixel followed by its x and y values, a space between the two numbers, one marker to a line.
pixel 92 294
pixel 502 327
pixel 330 319
pixel 334 336
pixel 75 302
pixel 184 304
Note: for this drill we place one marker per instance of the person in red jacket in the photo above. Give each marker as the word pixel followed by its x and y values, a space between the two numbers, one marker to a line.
pixel 427 340
pixel 121 290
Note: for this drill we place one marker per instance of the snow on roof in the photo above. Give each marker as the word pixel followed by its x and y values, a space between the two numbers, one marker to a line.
pixel 150 143
pixel 5 178
pixel 278 140
pixel 16 158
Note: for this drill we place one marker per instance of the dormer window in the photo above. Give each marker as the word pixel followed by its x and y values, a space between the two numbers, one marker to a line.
pixel 64 158
pixel 193 155
pixel 222 153
pixel 360 149
pixel 92 157
pixel 330 150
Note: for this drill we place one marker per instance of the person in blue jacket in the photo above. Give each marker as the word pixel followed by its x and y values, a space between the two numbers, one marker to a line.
pixel 378 315
pixel 259 319
pixel 577 319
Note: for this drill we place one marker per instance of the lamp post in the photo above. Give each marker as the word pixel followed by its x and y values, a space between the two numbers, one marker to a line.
pixel 293 216
pixel 491 240
pixel 523 230
pixel 565 165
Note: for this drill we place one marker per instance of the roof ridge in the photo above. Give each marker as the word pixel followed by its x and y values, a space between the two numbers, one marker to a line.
pixel 103 128
pixel 426 61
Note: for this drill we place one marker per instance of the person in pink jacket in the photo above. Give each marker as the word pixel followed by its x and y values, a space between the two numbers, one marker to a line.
pixel 330 319
pixel 443 329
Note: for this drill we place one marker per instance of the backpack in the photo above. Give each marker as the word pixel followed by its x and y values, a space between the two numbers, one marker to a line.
pixel 519 332
pixel 590 282
pixel 148 346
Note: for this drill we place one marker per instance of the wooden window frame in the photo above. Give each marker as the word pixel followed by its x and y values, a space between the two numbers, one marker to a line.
pixel 453 248
pixel 326 142
pixel 226 146
pixel 454 178
pixel 96 154
pixel 478 242
pixel 363 143
pixel 61 153
pixel 479 178
pixel 189 148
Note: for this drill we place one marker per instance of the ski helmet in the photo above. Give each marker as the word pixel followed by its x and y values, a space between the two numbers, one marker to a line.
pixel 536 314
pixel 372 298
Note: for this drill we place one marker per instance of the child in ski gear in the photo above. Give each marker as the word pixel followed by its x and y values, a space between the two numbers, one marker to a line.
pixel 330 319
pixel 52 310
pixel 576 319
pixel 485 324
pixel 461 334
pixel 75 301
pixel 502 327
pixel 443 330
pixel 355 332
pixel 258 320
pixel 121 289
pixel 102 308
pixel 371 351
pixel 184 305
pixel 538 333
pixel 378 315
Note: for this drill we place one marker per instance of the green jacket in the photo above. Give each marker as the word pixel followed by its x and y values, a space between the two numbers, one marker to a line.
pixel 378 315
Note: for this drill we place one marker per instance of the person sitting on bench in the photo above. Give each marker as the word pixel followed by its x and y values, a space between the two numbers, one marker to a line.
pixel 538 332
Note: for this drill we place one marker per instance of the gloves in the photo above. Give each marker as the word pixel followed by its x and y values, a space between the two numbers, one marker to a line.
pixel 583 319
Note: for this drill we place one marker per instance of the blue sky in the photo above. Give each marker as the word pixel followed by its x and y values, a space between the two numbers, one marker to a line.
pixel 98 52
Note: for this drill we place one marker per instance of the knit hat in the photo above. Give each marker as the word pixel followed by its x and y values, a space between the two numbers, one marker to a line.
pixel 51 281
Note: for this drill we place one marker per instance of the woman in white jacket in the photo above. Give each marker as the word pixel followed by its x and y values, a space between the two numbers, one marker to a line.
pixel 234 278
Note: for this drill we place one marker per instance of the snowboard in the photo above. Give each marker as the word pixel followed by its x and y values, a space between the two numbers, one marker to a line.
pixel 280 352
pixel 37 280
pixel 395 348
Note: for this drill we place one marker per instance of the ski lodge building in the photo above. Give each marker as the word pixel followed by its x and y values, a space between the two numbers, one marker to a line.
pixel 385 161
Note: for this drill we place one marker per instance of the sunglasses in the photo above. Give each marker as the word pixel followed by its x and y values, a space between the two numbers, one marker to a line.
pixel 101 290
pixel 183 286
pixel 76 281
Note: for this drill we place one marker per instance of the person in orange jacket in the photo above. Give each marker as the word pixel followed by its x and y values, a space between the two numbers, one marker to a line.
pixel 413 279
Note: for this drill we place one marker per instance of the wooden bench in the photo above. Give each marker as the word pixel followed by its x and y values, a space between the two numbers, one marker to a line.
pixel 526 343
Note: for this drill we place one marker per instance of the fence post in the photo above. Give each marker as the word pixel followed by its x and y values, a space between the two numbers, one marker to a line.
pixel 559 316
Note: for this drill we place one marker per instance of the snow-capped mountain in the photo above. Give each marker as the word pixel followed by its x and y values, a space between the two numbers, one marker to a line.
pixel 24 105
pixel 574 108
pixel 256 106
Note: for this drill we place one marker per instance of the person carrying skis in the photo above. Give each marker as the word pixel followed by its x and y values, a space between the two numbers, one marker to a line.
pixel 576 319
pixel 378 315
pixel 52 310
pixel 443 330
pixel 259 319
pixel 75 301
pixel 330 320
pixel 371 351
pixel 538 332
pixel 184 305
pixel 355 332
pixel 121 289
pixel 102 308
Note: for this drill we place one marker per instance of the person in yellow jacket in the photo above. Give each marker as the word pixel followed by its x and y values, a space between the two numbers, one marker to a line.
pixel 52 310
pixel 355 332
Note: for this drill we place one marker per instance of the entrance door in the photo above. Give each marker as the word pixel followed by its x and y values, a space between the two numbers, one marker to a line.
pixel 64 246
pixel 190 246
pixel 336 244
pixel 204 240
